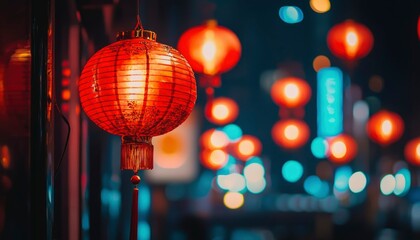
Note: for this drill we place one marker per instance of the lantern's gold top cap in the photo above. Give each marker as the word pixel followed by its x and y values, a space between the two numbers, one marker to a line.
pixel 137 33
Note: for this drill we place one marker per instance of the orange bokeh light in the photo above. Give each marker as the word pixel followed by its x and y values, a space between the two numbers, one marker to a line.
pixel 214 139
pixel 385 127
pixel 290 134
pixel 248 146
pixel 342 149
pixel 412 151
pixel 221 111
pixel 350 40
pixel 320 62
pixel 214 159
pixel 291 92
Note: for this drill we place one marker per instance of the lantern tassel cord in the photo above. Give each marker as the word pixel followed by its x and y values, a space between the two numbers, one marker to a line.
pixel 135 179
pixel 139 25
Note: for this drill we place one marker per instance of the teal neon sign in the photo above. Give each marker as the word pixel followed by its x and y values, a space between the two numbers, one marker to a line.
pixel 329 102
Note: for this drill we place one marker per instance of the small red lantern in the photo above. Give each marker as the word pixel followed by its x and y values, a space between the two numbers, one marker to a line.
pixel 385 127
pixel 412 151
pixel 291 92
pixel 290 134
pixel 137 88
pixel 211 50
pixel 221 111
pixel 341 149
pixel 248 146
pixel 15 89
pixel 350 40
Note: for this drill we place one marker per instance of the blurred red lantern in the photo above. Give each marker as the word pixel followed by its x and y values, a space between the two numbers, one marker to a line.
pixel 385 127
pixel 290 133
pixel 341 149
pixel 214 159
pixel 137 88
pixel 350 40
pixel 291 92
pixel 211 50
pixel 248 146
pixel 412 151
pixel 221 111
pixel 15 89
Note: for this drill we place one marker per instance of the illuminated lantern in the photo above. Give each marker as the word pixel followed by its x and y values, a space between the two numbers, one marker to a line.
pixel 214 139
pixel 214 159
pixel 291 92
pixel 221 111
pixel 412 151
pixel 15 89
pixel 350 40
pixel 211 50
pixel 137 88
pixel 248 146
pixel 385 127
pixel 342 149
pixel 290 134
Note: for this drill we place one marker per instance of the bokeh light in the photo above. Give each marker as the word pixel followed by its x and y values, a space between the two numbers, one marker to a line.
pixel 257 186
pixel 233 200
pixel 319 147
pixel 253 172
pixel 357 182
pixel 221 110
pixel 233 132
pixel 412 151
pixel 341 178
pixel 376 83
pixel 320 6
pixel 385 127
pixel 214 139
pixel 342 149
pixel 292 171
pixel 360 111
pixel 402 182
pixel 320 62
pixel 387 184
pixel 291 14
pixel 316 187
pixel 291 92
pixel 290 133
pixel 233 182
pixel 248 146
pixel 214 159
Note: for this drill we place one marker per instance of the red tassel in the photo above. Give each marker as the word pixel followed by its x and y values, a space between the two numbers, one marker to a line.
pixel 134 214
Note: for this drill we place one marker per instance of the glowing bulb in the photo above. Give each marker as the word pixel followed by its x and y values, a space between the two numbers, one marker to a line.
pixel 218 157
pixel 233 200
pixel 291 91
pixel 320 6
pixel 352 39
pixel 418 150
pixel 357 182
pixel 208 50
pixel 386 127
pixel 388 184
pixel 220 111
pixel 291 132
pixel 338 149
pixel 218 139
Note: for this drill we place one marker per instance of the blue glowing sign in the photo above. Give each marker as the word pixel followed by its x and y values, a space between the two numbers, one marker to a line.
pixel 330 102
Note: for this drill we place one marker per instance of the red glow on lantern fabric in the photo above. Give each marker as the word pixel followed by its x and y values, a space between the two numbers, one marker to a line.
pixel 412 151
pixel 248 146
pixel 342 149
pixel 350 40
pixel 137 88
pixel 221 111
pixel 210 49
pixel 385 127
pixel 290 133
pixel 291 92
pixel 214 159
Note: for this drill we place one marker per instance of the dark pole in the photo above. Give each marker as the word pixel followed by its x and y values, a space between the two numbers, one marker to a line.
pixel 40 164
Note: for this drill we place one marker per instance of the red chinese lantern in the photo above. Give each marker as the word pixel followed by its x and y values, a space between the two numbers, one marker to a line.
pixel 350 40
pixel 211 50
pixel 385 127
pixel 342 149
pixel 412 151
pixel 248 146
pixel 15 89
pixel 221 111
pixel 137 88
pixel 291 92
pixel 290 134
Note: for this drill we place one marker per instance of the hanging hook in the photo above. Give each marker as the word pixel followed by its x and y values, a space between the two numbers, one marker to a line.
pixel 139 25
